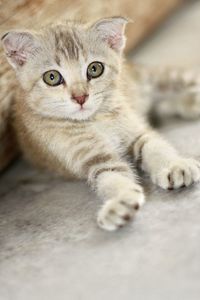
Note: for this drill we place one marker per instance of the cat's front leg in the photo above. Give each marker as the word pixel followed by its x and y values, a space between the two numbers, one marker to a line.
pixel 116 184
pixel 88 156
pixel 113 181
pixel 166 167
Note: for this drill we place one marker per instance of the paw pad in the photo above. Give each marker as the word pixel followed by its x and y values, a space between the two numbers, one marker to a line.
pixel 118 212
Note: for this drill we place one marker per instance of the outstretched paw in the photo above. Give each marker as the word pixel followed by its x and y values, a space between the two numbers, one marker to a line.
pixel 180 173
pixel 119 211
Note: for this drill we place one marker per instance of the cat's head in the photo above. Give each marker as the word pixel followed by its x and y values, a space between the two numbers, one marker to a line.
pixel 68 70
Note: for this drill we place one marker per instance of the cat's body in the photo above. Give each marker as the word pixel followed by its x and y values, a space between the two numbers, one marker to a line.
pixel 88 126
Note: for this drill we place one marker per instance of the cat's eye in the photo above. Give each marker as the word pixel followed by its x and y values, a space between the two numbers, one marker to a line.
pixel 53 78
pixel 95 69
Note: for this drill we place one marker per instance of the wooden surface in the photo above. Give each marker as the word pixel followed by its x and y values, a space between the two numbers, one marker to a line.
pixel 146 15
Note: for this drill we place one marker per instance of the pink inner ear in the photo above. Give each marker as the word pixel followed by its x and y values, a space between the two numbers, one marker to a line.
pixel 19 58
pixel 14 51
pixel 115 41
pixel 18 46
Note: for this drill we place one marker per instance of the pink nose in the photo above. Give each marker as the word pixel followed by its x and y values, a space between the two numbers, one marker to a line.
pixel 80 99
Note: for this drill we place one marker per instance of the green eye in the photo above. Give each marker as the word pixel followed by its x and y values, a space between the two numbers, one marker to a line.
pixel 95 69
pixel 53 78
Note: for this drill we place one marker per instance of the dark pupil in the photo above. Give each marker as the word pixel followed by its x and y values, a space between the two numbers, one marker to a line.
pixel 94 69
pixel 51 76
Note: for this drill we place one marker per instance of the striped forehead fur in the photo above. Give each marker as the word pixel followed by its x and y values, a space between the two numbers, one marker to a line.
pixel 67 41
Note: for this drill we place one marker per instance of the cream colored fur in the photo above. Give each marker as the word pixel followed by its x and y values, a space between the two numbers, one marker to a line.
pixel 104 139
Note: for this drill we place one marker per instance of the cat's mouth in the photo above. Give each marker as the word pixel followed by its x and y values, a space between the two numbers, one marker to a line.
pixel 83 112
pixel 83 108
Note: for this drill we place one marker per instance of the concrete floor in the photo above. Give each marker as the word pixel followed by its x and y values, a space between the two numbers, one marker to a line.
pixel 50 246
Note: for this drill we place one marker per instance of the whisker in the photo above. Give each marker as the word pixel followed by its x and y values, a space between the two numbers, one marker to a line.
pixel 98 92
pixel 103 91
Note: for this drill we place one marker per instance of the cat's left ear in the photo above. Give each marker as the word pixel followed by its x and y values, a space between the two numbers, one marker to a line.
pixel 19 46
pixel 111 30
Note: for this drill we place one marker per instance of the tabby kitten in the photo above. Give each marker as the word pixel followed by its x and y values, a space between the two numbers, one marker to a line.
pixel 79 115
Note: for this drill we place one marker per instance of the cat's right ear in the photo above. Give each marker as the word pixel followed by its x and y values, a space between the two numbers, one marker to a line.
pixel 18 47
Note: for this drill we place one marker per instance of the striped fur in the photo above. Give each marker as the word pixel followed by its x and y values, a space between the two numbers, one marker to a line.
pixel 92 143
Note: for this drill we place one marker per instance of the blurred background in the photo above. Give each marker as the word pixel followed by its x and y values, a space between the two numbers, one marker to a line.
pixel 50 246
pixel 176 41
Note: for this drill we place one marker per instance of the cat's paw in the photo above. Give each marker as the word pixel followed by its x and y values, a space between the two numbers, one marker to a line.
pixel 180 173
pixel 119 211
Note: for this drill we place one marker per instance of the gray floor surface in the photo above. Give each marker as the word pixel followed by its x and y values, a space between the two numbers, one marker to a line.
pixel 50 245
